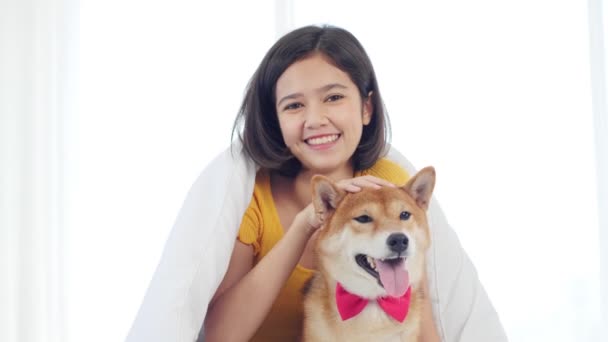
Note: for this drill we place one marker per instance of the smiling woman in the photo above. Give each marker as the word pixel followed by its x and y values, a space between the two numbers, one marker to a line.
pixel 315 91
pixel 321 107
pixel 89 192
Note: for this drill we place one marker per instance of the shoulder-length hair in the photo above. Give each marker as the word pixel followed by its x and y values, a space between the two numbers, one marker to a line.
pixel 257 123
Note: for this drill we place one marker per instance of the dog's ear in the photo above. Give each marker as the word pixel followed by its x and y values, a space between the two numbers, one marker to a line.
pixel 421 186
pixel 325 195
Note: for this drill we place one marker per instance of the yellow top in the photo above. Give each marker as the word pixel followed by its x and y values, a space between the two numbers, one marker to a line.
pixel 261 228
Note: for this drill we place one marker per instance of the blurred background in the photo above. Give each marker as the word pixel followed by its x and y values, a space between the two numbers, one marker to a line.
pixel 109 110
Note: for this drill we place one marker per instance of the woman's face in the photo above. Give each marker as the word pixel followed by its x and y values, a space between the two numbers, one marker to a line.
pixel 321 114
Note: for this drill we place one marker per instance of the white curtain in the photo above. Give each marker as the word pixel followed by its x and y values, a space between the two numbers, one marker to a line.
pixel 105 122
pixel 598 28
pixel 37 66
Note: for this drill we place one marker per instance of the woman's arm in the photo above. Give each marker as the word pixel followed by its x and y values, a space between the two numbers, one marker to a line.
pixel 247 294
pixel 428 328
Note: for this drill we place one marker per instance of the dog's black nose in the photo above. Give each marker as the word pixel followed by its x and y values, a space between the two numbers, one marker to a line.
pixel 397 242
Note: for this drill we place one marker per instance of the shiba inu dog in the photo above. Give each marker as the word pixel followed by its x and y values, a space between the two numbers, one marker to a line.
pixel 370 261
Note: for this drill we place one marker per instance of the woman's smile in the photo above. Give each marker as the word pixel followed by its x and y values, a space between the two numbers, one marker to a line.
pixel 323 142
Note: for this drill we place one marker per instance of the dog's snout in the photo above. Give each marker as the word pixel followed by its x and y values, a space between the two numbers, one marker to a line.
pixel 397 242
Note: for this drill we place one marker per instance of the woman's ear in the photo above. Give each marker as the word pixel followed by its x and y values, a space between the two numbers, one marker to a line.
pixel 368 109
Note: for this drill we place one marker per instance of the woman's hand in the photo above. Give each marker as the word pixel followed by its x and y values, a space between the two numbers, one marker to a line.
pixel 312 220
pixel 358 183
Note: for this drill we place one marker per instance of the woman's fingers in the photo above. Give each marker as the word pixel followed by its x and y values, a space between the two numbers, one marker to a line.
pixel 377 181
pixel 351 187
pixel 314 219
pixel 358 183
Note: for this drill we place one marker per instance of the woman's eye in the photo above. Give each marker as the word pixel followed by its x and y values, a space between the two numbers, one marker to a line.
pixel 293 106
pixel 363 219
pixel 334 98
pixel 405 215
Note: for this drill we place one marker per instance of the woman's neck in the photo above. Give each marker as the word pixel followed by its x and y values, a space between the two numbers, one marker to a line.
pixel 301 183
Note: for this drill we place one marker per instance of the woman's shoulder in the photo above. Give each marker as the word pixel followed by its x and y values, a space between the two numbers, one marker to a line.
pixel 261 187
pixel 252 223
pixel 387 169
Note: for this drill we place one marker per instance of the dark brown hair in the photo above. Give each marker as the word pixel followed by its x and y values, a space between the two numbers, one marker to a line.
pixel 257 123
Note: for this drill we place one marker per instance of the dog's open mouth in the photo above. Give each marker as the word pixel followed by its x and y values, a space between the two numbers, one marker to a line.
pixel 390 273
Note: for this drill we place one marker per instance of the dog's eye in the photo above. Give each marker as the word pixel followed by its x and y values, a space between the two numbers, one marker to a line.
pixel 405 215
pixel 363 219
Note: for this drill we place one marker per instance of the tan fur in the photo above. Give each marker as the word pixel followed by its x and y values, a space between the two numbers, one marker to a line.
pixel 342 238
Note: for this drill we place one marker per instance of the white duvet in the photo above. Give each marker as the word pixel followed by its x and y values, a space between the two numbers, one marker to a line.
pixel 197 252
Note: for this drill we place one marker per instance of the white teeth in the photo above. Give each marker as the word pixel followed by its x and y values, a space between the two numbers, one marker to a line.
pixel 323 140
pixel 371 262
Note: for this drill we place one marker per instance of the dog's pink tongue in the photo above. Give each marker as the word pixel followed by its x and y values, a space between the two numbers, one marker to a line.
pixel 394 278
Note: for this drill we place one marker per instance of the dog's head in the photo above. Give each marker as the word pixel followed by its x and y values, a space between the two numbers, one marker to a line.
pixel 374 241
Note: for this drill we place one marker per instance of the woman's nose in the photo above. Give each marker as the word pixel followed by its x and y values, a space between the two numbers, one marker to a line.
pixel 316 117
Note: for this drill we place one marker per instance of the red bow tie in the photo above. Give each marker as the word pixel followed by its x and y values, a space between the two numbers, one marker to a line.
pixel 350 305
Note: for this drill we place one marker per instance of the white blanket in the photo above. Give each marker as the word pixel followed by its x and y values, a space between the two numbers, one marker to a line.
pixel 197 252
